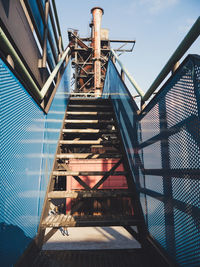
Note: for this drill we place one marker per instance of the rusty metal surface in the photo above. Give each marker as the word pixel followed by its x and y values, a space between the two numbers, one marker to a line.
pixel 96 43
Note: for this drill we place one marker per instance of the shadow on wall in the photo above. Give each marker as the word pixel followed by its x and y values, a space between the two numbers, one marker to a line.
pixel 13 241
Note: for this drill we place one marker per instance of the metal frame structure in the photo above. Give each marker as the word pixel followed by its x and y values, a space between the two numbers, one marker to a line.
pixel 90 60
pixel 42 79
pixel 91 56
pixel 168 197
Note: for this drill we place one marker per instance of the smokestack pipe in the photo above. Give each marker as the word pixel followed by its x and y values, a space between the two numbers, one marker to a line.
pixel 97 13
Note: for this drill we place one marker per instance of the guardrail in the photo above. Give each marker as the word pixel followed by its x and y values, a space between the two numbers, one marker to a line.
pixel 54 72
pixel 189 39
pixel 11 51
pixel 40 94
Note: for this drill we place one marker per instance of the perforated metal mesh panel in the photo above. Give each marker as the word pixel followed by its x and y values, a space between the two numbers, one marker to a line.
pixel 184 151
pixel 154 183
pixel 150 124
pixel 156 219
pixel 125 109
pixel 172 172
pixel 152 156
pixel 27 148
pixel 186 190
pixel 187 239
pixel 168 157
pixel 177 95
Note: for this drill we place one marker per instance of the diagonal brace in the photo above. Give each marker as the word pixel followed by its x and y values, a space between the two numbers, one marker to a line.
pixel 105 177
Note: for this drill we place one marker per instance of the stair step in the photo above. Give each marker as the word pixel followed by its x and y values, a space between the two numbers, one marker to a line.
pixel 106 193
pixel 86 173
pixel 89 106
pixel 88 142
pixel 90 121
pixel 94 100
pixel 86 156
pixel 57 221
pixel 88 131
pixel 83 113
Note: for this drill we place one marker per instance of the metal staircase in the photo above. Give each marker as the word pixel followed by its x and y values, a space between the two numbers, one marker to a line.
pixel 90 184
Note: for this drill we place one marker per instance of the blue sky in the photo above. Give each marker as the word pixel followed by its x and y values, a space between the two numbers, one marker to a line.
pixel 157 25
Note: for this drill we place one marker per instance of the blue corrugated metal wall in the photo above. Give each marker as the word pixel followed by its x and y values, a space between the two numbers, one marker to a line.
pixel 28 144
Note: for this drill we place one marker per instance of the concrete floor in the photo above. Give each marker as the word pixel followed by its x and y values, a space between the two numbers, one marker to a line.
pixel 87 238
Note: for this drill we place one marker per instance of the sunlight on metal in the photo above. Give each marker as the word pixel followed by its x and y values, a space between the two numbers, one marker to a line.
pixel 189 39
pixel 10 49
pixel 57 20
pixel 4 40
pixel 54 72
pixel 132 81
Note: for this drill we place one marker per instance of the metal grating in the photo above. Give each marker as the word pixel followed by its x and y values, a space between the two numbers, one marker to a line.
pixel 186 190
pixel 156 220
pixel 168 160
pixel 177 107
pixel 150 123
pixel 124 107
pixel 144 206
pixel 175 164
pixel 27 149
pixel 155 161
pixel 187 239
pixel 154 183
pixel 184 151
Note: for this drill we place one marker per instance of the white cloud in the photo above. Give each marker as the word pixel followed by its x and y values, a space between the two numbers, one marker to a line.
pixel 150 6
pixel 155 6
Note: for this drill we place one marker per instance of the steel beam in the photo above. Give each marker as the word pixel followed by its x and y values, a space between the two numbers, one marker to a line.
pixel 54 72
pixel 18 62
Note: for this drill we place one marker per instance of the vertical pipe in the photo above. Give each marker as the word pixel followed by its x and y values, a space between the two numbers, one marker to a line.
pixel 44 57
pixel 97 13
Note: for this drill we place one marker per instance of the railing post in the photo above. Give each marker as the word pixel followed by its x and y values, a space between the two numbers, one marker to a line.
pixel 122 75
pixel 42 62
pixel 113 59
pixel 167 180
pixel 175 67
pixel 10 61
pixel 142 104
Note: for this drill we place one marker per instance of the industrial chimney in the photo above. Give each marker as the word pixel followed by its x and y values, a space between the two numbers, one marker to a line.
pixel 97 13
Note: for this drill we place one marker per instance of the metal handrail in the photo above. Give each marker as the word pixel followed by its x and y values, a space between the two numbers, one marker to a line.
pixel 35 90
pixel 54 72
pixel 57 20
pixel 132 81
pixel 189 39
pixel 4 41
